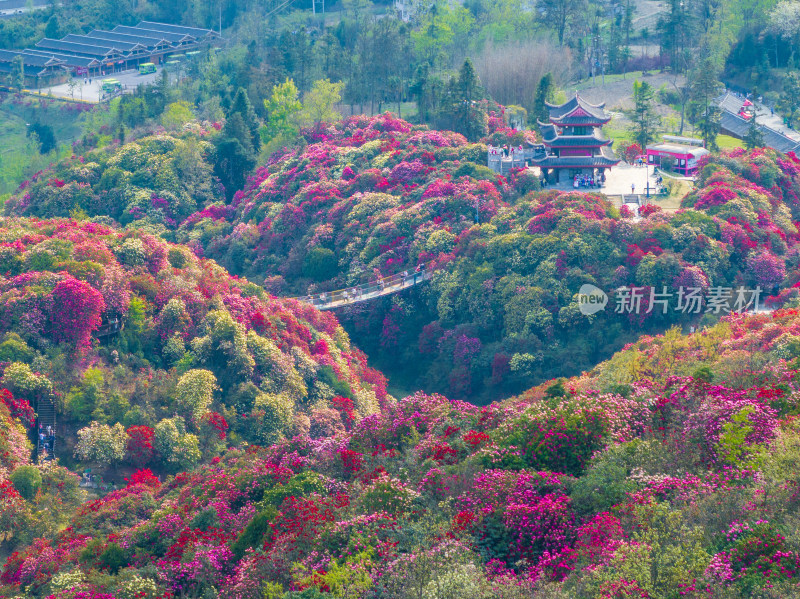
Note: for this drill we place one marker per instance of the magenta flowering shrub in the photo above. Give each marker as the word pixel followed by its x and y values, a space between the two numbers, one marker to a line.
pixel 77 311
pixel 130 307
pixel 435 491
pixel 765 269
pixel 148 181
pixel 376 196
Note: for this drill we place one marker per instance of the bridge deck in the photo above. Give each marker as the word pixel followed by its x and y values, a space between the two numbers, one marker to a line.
pixel 367 291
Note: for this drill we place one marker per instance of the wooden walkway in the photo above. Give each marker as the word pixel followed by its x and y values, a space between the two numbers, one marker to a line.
pixel 367 291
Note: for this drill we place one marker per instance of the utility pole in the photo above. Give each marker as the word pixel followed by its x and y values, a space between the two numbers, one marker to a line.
pixel 220 18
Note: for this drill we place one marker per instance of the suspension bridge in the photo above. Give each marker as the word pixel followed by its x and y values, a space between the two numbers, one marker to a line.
pixel 329 300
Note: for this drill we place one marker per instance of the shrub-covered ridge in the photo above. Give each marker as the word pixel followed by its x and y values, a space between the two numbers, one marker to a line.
pixel 623 482
pixel 154 357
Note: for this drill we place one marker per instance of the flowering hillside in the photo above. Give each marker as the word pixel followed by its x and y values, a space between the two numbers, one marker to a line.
pixel 158 358
pixel 155 182
pixel 637 480
pixel 377 196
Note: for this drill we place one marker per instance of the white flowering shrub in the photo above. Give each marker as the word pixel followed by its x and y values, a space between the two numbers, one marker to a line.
pixel 195 391
pixel 66 580
pixel 101 443
pixel 137 588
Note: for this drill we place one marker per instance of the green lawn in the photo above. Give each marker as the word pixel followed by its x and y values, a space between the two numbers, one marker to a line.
pixel 19 155
pixel 726 142
pixel 609 78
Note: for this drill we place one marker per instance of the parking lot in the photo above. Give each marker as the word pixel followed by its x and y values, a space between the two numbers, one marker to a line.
pixel 93 92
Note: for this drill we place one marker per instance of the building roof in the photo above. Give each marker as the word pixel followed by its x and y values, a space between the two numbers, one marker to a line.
pixel 8 56
pixel 551 137
pixel 674 148
pixel 606 158
pixel 127 47
pixel 70 60
pixel 577 111
pixel 150 42
pixel 196 32
pixel 731 103
pixel 7 67
pixel 12 4
pixel 79 49
pixel 738 127
pixel 173 38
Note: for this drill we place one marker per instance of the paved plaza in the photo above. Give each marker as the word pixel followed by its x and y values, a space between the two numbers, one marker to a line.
pixel 619 180
pixel 93 92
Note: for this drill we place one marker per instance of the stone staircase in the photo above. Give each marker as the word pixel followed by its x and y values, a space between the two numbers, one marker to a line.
pixel 45 416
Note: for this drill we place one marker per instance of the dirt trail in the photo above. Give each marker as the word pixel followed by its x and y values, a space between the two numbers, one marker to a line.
pixel 618 94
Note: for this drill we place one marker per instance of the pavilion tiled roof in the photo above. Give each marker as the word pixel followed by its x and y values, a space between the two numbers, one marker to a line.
pixel 734 124
pixel 606 158
pixel 584 113
pixel 8 68
pixel 551 137
pixel 577 141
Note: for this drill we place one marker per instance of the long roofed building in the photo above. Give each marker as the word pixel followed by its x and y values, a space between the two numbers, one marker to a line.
pixel 574 142
pixel 43 70
pixel 101 53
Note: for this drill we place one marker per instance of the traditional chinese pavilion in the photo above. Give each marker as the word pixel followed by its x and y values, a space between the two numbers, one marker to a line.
pixel 574 142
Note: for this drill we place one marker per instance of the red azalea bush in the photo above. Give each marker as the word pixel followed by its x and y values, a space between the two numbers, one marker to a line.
pixel 77 311
pixel 18 408
pixel 139 449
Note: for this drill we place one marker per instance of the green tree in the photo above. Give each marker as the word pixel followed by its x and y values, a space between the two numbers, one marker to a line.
pixel 51 30
pixel 544 93
pixel 177 115
pixel 82 400
pixel 466 114
pixel 754 137
pixel 27 480
pixel 241 106
pixel 429 90
pixel 195 392
pixel 235 156
pixel 282 109
pixel 318 103
pixel 677 28
pixel 705 86
pixel 16 77
pixel 644 117
pixel 44 135
pixel 320 264
pixel 733 447
pixel 559 14
pixel 790 98
pixel 101 443
pixel 176 447
pixel 468 86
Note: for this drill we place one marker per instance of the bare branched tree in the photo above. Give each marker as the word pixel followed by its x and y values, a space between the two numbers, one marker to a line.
pixel 510 73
